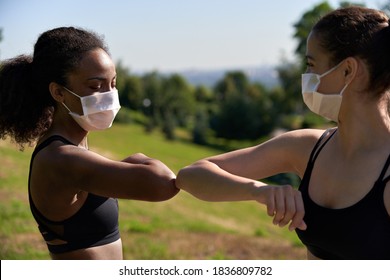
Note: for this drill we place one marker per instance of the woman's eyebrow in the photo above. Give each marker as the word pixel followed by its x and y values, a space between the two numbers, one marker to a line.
pixel 100 78
pixel 309 57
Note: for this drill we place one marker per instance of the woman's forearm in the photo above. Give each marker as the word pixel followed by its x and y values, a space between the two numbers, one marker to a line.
pixel 206 181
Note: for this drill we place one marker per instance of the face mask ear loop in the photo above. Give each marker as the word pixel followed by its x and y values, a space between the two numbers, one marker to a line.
pixel 326 73
pixel 72 92
pixel 66 107
pixel 331 69
pixel 344 88
pixel 74 95
pixel 70 112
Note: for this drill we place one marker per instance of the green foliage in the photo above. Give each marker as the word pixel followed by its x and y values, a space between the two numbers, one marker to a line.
pixel 137 226
pixel 234 109
pixel 16 212
pixel 146 248
pixel 168 102
pixel 289 97
pixel 201 131
pixel 260 232
pixel 305 24
pixel 1 35
pixel 244 109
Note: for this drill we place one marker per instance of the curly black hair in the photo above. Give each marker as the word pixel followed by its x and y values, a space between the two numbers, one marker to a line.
pixel 26 106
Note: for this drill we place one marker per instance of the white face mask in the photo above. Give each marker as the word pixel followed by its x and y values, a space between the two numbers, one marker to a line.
pixel 325 105
pixel 99 110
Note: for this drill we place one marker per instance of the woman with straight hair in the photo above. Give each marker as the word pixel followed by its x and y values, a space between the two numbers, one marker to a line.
pixel 341 209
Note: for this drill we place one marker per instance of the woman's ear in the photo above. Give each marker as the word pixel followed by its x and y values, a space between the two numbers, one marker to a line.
pixel 352 69
pixel 56 92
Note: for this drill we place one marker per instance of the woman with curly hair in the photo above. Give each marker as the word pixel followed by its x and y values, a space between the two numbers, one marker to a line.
pixel 55 97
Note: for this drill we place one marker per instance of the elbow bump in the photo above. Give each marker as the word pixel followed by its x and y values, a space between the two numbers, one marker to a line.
pixel 183 177
pixel 166 191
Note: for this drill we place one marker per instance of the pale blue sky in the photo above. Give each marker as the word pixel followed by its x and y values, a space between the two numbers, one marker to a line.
pixel 167 35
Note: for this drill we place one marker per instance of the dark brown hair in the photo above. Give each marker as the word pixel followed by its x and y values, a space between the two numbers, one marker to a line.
pixel 26 106
pixel 359 32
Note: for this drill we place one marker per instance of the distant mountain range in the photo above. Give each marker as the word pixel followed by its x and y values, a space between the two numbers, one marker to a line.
pixel 265 75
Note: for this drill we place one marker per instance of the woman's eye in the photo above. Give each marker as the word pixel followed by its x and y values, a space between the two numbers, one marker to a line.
pixel 95 87
pixel 309 66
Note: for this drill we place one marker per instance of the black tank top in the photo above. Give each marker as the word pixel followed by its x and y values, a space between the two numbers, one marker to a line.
pixel 360 231
pixel 95 224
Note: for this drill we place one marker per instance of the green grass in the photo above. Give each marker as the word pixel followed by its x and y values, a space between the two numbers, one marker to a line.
pixel 181 228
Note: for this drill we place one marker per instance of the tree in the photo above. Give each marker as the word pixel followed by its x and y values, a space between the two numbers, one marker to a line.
pixel 304 26
pixel 1 34
pixel 288 99
pixel 152 87
pixel 168 102
pixel 243 110
pixel 203 95
pixel 308 19
pixel 133 88
pixel 232 83
pixel 205 106
pixel 129 88
pixel 201 127
pixel 178 104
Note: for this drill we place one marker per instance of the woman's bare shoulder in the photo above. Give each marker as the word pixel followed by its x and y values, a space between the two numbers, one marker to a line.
pixel 302 134
pixel 296 141
pixel 296 146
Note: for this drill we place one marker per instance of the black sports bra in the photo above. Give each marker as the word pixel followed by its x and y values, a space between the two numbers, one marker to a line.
pixel 360 231
pixel 95 224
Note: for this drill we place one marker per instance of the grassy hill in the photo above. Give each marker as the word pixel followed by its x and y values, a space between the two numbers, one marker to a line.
pixel 181 228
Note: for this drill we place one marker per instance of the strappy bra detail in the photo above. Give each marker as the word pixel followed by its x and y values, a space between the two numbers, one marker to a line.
pixel 361 231
pixel 95 224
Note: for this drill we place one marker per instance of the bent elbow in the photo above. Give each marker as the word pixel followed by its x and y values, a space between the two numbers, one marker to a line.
pixel 183 180
pixel 165 191
pixel 187 180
